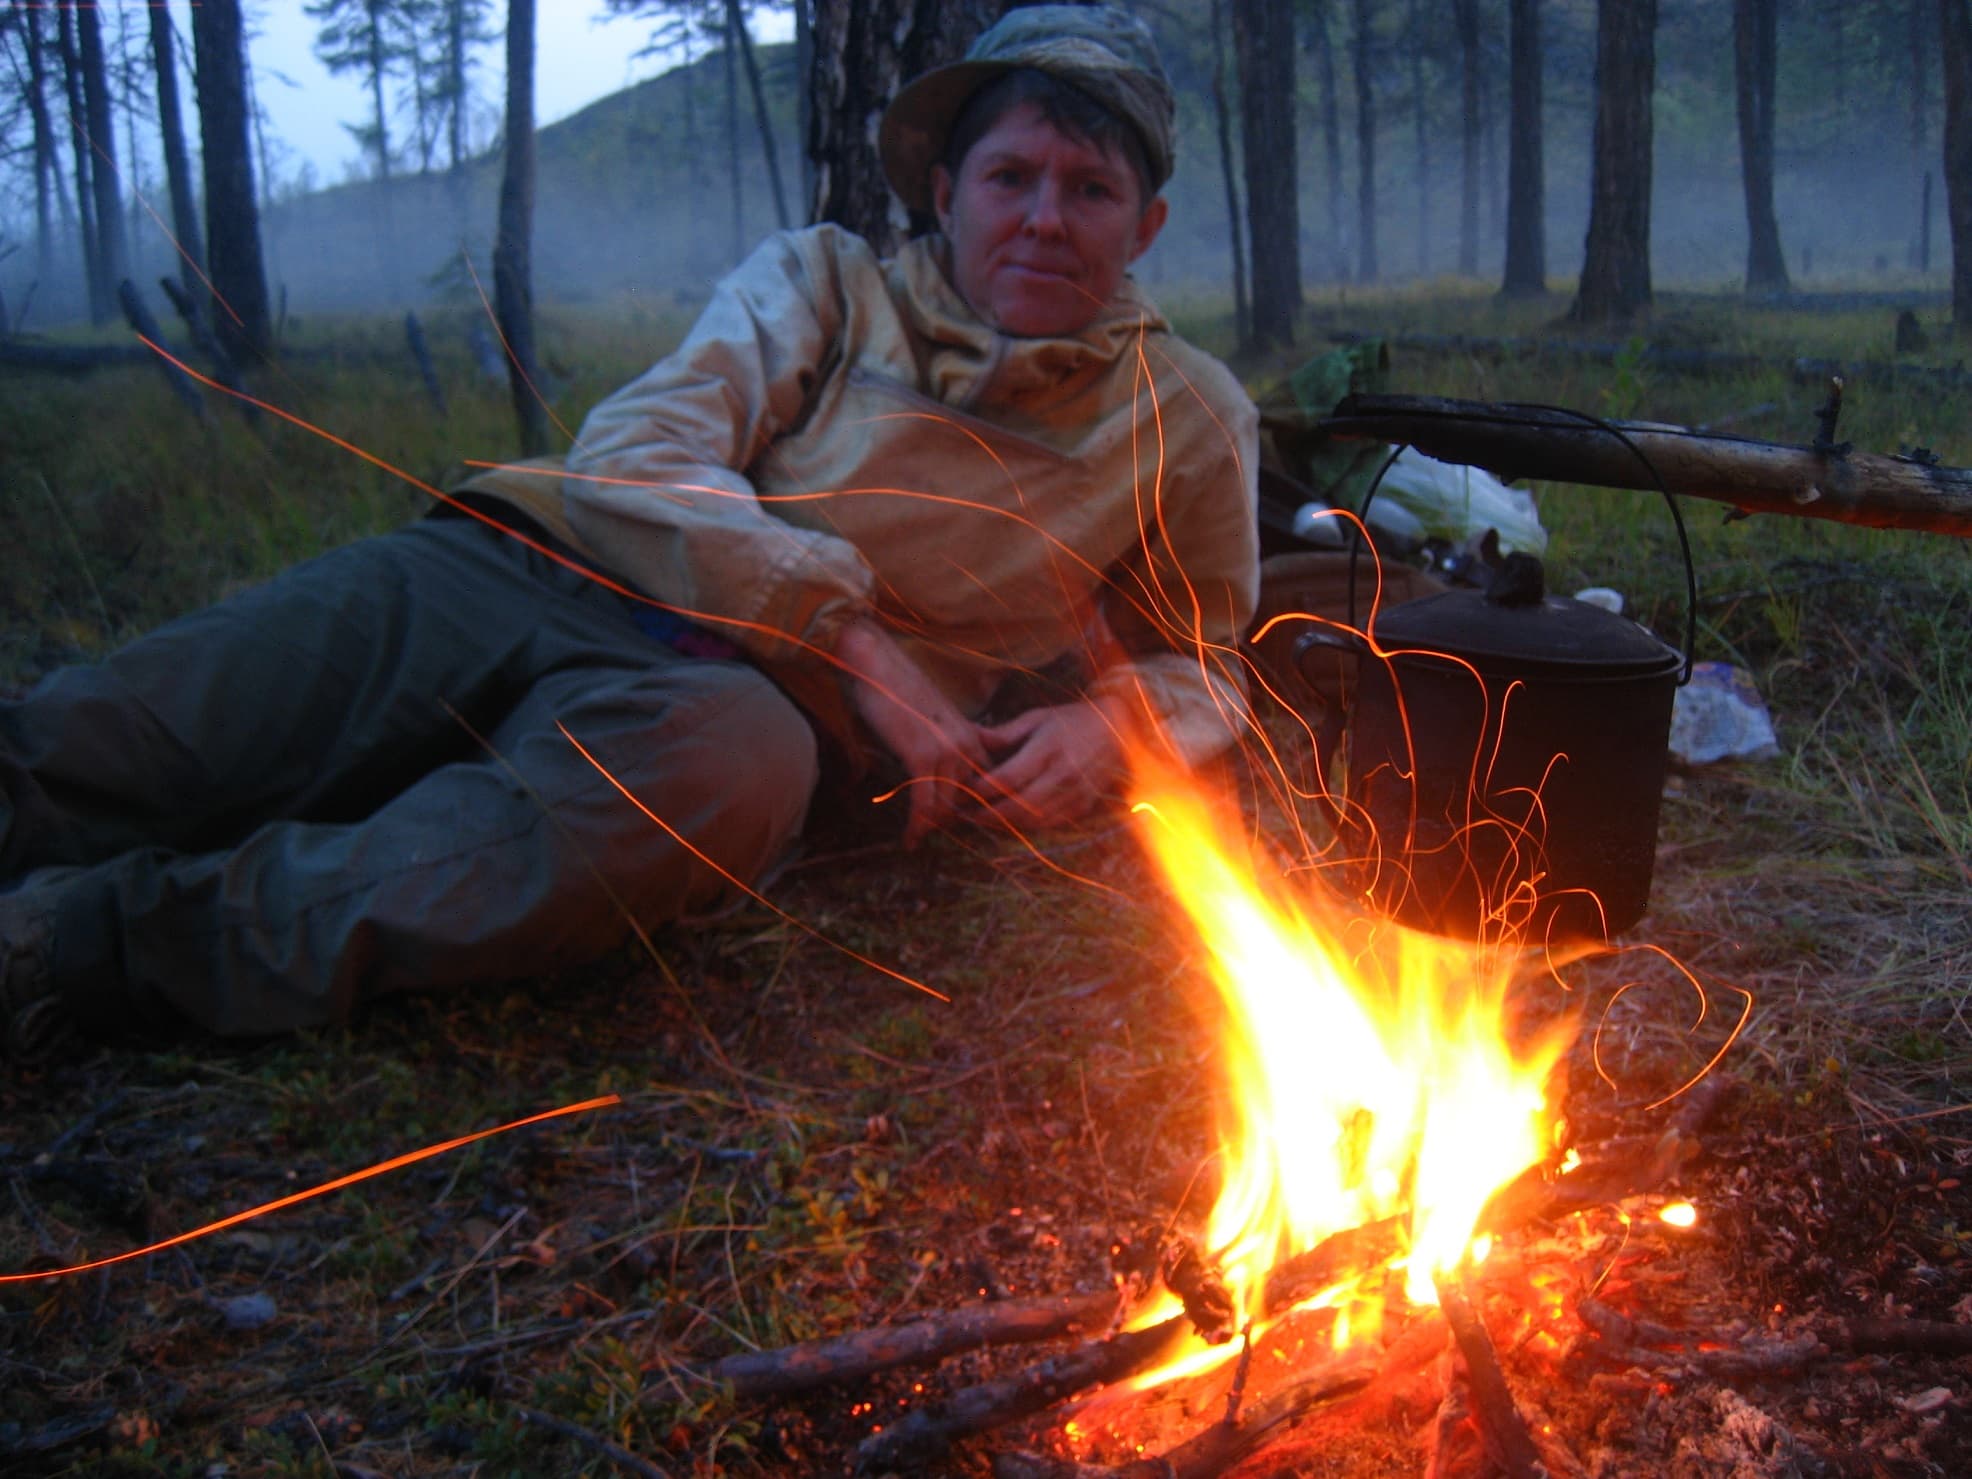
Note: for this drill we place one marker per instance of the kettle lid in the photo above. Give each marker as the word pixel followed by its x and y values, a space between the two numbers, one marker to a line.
pixel 1516 623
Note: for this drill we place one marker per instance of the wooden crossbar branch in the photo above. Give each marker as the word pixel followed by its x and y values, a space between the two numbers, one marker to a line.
pixel 1823 480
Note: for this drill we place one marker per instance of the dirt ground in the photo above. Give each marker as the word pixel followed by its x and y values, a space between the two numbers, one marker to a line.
pixel 804 1146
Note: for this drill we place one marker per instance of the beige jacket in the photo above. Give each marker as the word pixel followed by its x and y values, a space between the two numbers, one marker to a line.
pixel 840 435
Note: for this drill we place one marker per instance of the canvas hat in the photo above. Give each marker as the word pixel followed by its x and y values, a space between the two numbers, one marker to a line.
pixel 1101 50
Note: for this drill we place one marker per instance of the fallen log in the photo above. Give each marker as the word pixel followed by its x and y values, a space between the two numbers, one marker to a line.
pixel 71 359
pixel 1550 443
pixel 1679 360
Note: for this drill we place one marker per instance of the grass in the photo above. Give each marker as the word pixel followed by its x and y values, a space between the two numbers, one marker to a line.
pixel 801 1148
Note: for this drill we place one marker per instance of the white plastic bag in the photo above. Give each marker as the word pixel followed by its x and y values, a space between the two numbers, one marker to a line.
pixel 1454 502
pixel 1719 715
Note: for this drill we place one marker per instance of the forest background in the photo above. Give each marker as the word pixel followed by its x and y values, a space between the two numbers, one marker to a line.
pixel 1389 119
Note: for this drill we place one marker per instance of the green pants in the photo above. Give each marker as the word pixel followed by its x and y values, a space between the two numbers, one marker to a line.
pixel 351 780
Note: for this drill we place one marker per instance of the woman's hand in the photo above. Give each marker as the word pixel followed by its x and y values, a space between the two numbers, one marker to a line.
pixel 943 752
pixel 1053 763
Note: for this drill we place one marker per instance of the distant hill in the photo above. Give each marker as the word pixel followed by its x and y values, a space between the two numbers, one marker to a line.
pixel 632 193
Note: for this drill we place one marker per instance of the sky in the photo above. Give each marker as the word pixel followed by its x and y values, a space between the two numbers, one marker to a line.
pixel 579 56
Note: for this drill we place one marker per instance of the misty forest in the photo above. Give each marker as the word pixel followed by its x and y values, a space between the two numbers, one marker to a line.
pixel 1770 145
pixel 739 1202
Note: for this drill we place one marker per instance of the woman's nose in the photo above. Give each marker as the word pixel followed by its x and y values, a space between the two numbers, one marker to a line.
pixel 1044 208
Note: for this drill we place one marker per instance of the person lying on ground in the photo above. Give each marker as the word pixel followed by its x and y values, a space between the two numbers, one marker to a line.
pixel 818 538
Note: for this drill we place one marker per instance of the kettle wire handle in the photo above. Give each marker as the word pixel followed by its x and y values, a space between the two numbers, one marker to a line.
pixel 1361 524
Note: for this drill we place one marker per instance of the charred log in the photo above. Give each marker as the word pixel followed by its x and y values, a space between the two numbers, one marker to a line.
pixel 923 1436
pixel 1508 1442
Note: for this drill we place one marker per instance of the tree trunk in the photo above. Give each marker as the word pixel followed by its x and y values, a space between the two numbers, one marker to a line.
pixel 864 51
pixel 455 83
pixel 1242 309
pixel 729 58
pixel 1263 41
pixel 1323 46
pixel 190 242
pixel 804 89
pixel 47 172
pixel 1755 66
pixel 85 190
pixel 1420 135
pixel 513 252
pixel 1920 131
pixel 1365 145
pixel 768 151
pixel 1526 182
pixel 1465 16
pixel 1920 75
pixel 232 215
pixel 456 99
pixel 378 64
pixel 1955 50
pixel 1615 285
pixel 130 89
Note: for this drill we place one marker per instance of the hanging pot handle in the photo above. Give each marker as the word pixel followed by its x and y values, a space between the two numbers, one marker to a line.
pixel 1328 729
pixel 1690 643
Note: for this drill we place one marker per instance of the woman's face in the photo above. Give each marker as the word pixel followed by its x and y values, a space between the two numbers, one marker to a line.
pixel 1042 226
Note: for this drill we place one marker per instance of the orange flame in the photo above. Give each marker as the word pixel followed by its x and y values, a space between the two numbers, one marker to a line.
pixel 1369 1071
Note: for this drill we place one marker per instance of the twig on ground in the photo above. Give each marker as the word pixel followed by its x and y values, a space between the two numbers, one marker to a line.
pixel 1895 1337
pixel 1627 1342
pixel 622 1457
pixel 1624 1338
pixel 819 1363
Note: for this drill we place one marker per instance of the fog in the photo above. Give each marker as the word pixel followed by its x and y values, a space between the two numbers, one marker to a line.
pixel 634 200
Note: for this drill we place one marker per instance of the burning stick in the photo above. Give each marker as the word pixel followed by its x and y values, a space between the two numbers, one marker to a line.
pixel 1225 1444
pixel 1500 1424
pixel 1216 1449
pixel 1354 1250
pixel 1629 1169
pixel 820 1363
pixel 922 1436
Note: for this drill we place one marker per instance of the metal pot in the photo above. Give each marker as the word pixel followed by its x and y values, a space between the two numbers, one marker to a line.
pixel 1504 762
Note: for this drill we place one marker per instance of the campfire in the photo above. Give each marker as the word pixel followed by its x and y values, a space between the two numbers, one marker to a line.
pixel 1395 1232
pixel 1383 1119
